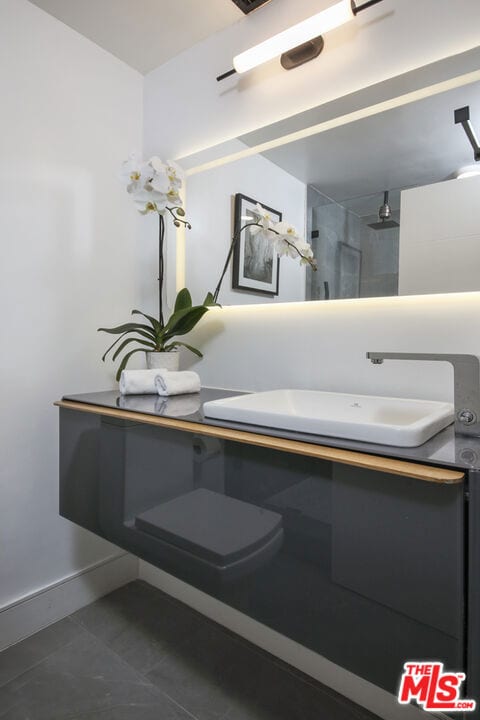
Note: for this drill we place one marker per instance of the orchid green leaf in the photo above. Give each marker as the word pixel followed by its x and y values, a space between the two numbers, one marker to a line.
pixel 183 301
pixel 155 323
pixel 104 356
pixel 126 327
pixel 148 345
pixel 183 321
pixel 210 301
pixel 189 347
pixel 125 360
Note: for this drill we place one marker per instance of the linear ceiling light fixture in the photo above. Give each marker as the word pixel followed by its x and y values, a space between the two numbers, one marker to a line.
pixel 301 42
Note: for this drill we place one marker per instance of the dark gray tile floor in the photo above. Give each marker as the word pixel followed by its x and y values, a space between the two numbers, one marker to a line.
pixel 137 654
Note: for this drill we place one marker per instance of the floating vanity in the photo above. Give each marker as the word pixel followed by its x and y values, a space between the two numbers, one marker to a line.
pixel 367 554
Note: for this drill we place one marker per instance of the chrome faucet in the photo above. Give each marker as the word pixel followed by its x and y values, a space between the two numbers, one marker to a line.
pixel 466 379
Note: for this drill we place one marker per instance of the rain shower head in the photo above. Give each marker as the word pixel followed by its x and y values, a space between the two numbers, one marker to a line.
pixel 385 215
pixel 384 225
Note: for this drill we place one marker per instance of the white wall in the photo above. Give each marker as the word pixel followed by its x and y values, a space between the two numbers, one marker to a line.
pixel 210 208
pixel 322 345
pixel 70 114
pixel 440 237
pixel 314 345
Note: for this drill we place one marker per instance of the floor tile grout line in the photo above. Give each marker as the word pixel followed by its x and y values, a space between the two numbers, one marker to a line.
pixel 299 675
pixel 175 702
pixel 141 674
pixel 234 637
pixel 264 655
pixel 107 708
pixel 179 644
pixel 138 673
pixel 12 707
pixel 147 680
pixel 158 596
pixel 36 664
pixel 158 664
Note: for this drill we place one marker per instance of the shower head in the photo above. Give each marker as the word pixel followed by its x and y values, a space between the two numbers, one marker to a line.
pixel 384 225
pixel 385 215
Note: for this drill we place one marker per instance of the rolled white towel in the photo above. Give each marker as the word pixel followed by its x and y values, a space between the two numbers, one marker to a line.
pixel 177 383
pixel 138 382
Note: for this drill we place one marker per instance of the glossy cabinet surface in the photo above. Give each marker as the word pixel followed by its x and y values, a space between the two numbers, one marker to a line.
pixel 363 567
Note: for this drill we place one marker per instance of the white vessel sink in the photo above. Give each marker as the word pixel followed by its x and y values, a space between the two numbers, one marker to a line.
pixel 383 420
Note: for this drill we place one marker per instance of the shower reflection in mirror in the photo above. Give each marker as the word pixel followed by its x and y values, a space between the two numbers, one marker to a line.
pixel 356 244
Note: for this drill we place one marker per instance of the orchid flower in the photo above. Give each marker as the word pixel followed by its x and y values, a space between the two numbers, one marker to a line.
pixel 147 201
pixel 154 186
pixel 264 220
pixel 134 174
pixel 306 253
pixel 168 173
pixel 159 182
pixel 286 240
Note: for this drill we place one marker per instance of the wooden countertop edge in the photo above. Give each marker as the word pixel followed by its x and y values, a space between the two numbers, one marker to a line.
pixel 392 466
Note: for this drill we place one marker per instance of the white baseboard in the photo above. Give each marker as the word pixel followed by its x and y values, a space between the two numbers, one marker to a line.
pixel 50 604
pixel 360 691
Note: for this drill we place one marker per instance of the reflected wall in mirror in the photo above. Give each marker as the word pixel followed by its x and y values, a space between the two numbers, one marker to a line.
pixel 378 199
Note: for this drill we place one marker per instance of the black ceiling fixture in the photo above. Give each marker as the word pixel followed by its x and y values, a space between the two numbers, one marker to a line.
pixel 286 43
pixel 246 6
pixel 462 117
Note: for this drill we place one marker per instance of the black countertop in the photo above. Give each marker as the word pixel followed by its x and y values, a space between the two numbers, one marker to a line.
pixel 445 449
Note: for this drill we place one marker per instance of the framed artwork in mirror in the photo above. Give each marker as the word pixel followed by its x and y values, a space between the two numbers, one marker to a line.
pixel 256 265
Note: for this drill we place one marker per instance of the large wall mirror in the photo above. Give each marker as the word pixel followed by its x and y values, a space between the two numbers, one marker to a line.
pixel 331 172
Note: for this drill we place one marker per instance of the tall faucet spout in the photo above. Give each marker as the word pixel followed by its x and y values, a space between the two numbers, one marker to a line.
pixel 466 369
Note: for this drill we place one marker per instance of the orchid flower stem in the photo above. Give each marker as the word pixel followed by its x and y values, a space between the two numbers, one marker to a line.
pixel 304 257
pixel 177 220
pixel 236 238
pixel 161 239
pixel 225 268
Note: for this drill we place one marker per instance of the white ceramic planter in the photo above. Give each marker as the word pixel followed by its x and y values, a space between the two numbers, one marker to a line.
pixel 163 360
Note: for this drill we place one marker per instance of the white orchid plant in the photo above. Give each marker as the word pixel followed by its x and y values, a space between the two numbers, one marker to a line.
pixel 154 187
pixel 284 237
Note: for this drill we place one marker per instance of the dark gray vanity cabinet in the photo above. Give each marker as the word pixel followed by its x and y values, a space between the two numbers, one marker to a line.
pixel 367 568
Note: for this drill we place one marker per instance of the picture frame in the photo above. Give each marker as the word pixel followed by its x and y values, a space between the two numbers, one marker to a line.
pixel 256 264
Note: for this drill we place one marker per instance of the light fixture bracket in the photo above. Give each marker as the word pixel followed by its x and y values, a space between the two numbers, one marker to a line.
pixel 247 6
pixel 364 6
pixel 302 53
pixel 462 117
